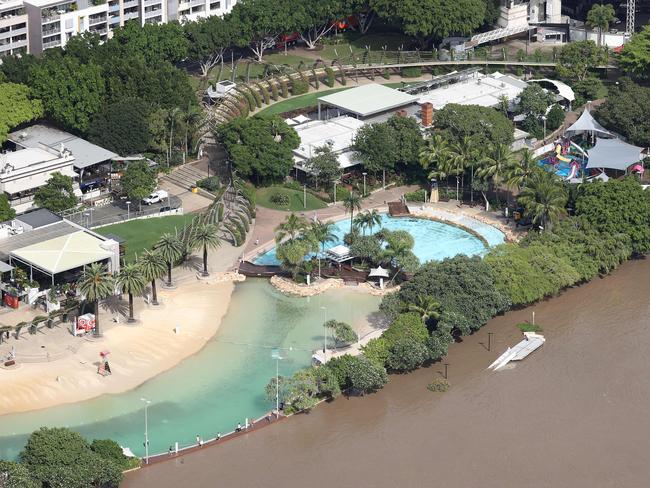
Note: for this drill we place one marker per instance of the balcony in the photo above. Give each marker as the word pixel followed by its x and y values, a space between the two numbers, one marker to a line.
pixel 131 15
pixel 194 3
pixel 131 3
pixel 97 19
pixel 51 32
pixel 54 43
pixel 101 30
pixel 150 3
pixel 115 7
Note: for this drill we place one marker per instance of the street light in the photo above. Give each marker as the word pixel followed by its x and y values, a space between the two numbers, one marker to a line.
pixel 304 195
pixel 275 354
pixel 544 120
pixel 384 179
pixel 364 183
pixel 433 185
pixel 146 430
pixel 128 210
pixel 324 341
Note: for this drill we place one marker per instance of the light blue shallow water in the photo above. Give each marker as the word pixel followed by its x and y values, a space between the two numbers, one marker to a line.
pixel 433 240
pixel 215 389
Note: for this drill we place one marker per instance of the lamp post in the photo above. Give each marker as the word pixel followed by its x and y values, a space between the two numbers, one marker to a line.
pixel 335 182
pixel 146 430
pixel 304 195
pixel 128 210
pixel 383 179
pixel 325 340
pixel 544 120
pixel 433 185
pixel 275 354
pixel 364 183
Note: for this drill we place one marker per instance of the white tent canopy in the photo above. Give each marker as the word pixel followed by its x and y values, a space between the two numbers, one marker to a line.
pixel 613 154
pixel 564 90
pixel 586 123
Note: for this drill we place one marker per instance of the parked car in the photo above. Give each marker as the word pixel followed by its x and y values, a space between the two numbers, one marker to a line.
pixel 165 209
pixel 156 197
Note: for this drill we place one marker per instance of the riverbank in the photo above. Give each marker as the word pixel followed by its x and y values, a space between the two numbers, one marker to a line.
pixel 162 337
pixel 569 415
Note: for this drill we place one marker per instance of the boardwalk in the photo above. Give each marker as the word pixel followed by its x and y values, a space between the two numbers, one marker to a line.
pixel 353 349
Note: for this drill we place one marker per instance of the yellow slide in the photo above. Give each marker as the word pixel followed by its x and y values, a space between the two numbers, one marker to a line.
pixel 558 154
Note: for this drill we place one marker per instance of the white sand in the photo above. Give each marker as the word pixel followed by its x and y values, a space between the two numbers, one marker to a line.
pixel 138 352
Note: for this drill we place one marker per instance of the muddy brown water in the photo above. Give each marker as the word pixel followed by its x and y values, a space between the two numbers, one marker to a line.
pixel 574 414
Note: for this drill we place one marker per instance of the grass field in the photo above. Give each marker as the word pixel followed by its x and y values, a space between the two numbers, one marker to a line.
pixel 143 234
pixel 263 199
pixel 308 100
pixel 354 42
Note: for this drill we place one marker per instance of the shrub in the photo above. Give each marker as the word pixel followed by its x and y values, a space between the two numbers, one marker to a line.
pixel 265 93
pixel 256 96
pixel 341 193
pixel 251 100
pixel 329 77
pixel 316 80
pixel 416 196
pixel 385 74
pixel 299 87
pixel 406 353
pixel 274 90
pixel 280 199
pixel 412 72
pixel 376 351
pixel 344 81
pixel 528 327
pixel 284 89
pixel 555 117
pixel 367 377
pixel 438 385
pixel 211 183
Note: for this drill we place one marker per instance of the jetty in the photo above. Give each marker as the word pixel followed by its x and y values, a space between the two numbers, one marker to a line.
pixel 532 342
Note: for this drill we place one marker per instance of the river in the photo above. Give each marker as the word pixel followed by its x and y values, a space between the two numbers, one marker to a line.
pixel 573 414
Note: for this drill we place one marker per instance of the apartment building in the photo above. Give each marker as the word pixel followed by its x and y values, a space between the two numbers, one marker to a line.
pixel 13 28
pixel 191 10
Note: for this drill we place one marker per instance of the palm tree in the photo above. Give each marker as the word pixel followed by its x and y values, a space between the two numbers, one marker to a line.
pixel 436 153
pixel 323 233
pixel 131 280
pixel 292 227
pixel 153 266
pixel 462 155
pixel 205 236
pixel 519 172
pixel 426 307
pixel 192 119
pixel 544 199
pixel 96 283
pixel 351 203
pixel 599 17
pixel 495 165
pixel 170 247
pixel 374 218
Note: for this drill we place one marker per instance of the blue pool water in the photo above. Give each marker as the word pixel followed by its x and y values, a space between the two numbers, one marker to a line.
pixel 433 240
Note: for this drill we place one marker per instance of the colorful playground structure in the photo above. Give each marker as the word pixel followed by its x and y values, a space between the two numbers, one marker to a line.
pixel 568 160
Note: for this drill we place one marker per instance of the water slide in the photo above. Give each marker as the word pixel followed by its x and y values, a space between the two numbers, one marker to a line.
pixel 582 151
pixel 574 171
pixel 558 154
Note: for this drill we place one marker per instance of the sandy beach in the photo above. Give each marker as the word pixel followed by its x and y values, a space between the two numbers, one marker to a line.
pixel 138 351
pixel 572 414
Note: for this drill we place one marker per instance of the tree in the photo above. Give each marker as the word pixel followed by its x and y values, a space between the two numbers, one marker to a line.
pixel 6 212
pixel 138 180
pixel 260 22
pixel 209 37
pixel 57 194
pixel 122 127
pixel 365 376
pixel 577 58
pixel 399 250
pixel 496 164
pixel 17 106
pixel 534 100
pixel 71 92
pixel 624 112
pixel 342 333
pixel 521 169
pixel 155 43
pixel 555 117
pixel 323 233
pixel 317 18
pixel 16 475
pixel 634 59
pixel 205 236
pixel 599 17
pixel 364 11
pixel 292 227
pixel 484 125
pixel 406 354
pixel 351 203
pixel 153 266
pixel 109 449
pixel 426 307
pixel 544 199
pixel 425 19
pixel 96 284
pixel 130 280
pixel 260 148
pixel 324 165
pixel 170 248
pixel 292 254
pixel 61 458
pixel 367 220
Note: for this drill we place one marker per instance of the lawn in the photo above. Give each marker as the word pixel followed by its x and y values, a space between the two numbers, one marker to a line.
pixel 263 199
pixel 308 100
pixel 257 70
pixel 143 234
pixel 342 46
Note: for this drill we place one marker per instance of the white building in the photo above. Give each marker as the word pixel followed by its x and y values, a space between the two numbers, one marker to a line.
pixel 23 172
pixel 338 133
pixel 13 28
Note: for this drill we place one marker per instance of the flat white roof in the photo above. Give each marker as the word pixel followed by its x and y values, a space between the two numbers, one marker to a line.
pixel 478 89
pixel 26 157
pixel 369 99
pixel 338 132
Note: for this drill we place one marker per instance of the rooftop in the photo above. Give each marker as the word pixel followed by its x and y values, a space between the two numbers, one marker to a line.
pixel 338 132
pixel 41 234
pixel 39 136
pixel 38 218
pixel 369 99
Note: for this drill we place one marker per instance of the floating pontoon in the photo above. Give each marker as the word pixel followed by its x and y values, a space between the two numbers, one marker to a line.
pixel 516 353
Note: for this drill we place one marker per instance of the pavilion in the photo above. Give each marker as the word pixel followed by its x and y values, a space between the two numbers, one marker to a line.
pixel 366 100
pixel 613 154
pixel 587 123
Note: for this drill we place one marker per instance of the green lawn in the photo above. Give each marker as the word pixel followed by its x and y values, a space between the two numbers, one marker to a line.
pixel 257 70
pixel 263 199
pixel 143 234
pixel 357 43
pixel 308 100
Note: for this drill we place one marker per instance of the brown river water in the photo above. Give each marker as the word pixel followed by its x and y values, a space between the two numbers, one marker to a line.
pixel 573 414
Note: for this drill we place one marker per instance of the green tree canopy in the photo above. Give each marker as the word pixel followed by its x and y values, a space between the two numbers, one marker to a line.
pixel 315 18
pixel 209 37
pixel 71 92
pixel 57 194
pixel 486 125
pixel 260 148
pixel 17 106
pixel 534 100
pixel 635 57
pixel 577 58
pixel 16 475
pixel 324 165
pixel 6 212
pixel 122 127
pixel 153 42
pixel 599 17
pixel 138 180
pixel 625 111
